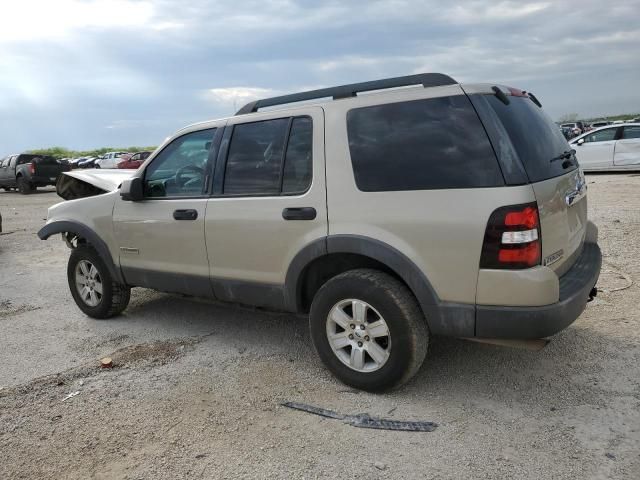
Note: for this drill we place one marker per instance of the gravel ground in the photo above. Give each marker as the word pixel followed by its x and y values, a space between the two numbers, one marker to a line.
pixel 196 387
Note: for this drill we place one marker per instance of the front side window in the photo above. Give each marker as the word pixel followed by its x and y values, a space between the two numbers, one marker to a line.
pixel 632 131
pixel 605 135
pixel 180 169
pixel 420 145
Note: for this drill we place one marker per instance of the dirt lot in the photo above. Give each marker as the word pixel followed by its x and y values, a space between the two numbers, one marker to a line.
pixel 197 385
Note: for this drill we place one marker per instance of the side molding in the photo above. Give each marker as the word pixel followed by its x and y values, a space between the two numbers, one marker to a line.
pixel 85 232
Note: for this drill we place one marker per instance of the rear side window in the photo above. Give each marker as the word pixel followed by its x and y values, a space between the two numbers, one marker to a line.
pixel 632 131
pixel 255 157
pixel 257 152
pixel 534 136
pixel 420 145
pixel 298 162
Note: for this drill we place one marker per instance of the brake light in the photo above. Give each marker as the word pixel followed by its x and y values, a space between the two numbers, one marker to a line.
pixel 32 168
pixel 512 238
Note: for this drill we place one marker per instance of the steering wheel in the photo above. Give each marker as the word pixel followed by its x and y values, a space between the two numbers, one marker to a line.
pixel 178 177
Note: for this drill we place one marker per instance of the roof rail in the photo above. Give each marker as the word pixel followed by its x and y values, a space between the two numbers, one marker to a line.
pixel 346 91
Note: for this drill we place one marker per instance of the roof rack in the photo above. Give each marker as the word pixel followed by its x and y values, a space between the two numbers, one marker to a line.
pixel 351 90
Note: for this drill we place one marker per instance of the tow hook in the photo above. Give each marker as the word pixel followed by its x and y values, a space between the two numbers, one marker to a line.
pixel 593 293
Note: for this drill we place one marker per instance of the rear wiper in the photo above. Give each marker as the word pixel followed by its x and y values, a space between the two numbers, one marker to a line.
pixel 563 156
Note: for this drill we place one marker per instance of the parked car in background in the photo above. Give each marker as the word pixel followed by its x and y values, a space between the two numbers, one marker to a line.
pixel 576 127
pixel 26 172
pixel 109 160
pixel 567 132
pixel 73 163
pixel 88 162
pixel 134 161
pixel 445 209
pixel 600 123
pixel 614 147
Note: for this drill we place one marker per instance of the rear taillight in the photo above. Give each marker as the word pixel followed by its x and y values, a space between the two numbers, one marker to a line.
pixel 512 238
pixel 32 168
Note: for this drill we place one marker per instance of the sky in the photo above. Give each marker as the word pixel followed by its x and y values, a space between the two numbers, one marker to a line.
pixel 91 73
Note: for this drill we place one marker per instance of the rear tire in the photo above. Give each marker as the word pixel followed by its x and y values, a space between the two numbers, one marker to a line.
pixel 94 290
pixel 368 357
pixel 24 187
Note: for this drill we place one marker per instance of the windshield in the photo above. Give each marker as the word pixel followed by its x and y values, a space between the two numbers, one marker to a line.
pixel 535 138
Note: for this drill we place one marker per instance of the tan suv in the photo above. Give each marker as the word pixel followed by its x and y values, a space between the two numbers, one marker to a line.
pixel 388 216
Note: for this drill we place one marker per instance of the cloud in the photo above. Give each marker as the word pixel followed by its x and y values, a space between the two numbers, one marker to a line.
pixel 37 20
pixel 148 67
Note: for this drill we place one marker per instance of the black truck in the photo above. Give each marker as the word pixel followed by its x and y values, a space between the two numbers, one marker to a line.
pixel 26 172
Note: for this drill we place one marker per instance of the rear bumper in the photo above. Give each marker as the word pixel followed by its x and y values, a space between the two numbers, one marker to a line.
pixel 42 180
pixel 539 322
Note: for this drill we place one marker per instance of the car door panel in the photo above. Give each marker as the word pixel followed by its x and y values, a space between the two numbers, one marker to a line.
pixel 596 154
pixel 161 238
pixel 598 149
pixel 250 243
pixel 627 150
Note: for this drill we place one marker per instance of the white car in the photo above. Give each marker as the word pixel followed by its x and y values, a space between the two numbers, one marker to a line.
pixel 109 160
pixel 614 147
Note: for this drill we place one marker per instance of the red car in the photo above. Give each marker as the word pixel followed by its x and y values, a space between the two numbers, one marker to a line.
pixel 135 160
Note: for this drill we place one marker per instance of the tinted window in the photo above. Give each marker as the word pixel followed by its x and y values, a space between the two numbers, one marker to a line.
pixel 255 158
pixel 422 144
pixel 534 136
pixel 298 161
pixel 631 132
pixel 602 135
pixel 179 170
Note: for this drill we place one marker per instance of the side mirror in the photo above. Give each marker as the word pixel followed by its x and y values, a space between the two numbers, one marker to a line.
pixel 131 190
pixel 580 142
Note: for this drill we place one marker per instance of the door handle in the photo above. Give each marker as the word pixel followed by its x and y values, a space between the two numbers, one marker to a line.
pixel 189 214
pixel 299 213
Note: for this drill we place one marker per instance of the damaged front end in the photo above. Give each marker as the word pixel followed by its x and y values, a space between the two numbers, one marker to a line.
pixel 88 183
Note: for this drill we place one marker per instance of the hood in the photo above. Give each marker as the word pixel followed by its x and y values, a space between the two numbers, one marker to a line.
pixel 78 184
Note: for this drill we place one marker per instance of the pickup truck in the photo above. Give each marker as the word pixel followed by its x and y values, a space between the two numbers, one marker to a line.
pixel 26 172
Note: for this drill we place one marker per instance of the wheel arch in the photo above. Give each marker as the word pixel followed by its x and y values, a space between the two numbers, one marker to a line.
pixel 90 237
pixel 330 256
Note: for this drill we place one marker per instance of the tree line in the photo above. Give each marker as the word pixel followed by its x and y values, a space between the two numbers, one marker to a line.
pixel 61 152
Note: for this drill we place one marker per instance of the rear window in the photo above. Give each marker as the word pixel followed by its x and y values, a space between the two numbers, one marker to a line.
pixel 534 136
pixel 421 145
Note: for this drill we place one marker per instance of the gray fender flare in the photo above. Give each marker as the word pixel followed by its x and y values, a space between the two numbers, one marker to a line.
pixel 443 318
pixel 90 236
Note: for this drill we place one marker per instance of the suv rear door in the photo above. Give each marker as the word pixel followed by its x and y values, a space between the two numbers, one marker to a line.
pixel 557 182
pixel 269 202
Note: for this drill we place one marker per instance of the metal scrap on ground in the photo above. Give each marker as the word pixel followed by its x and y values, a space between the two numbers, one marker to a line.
pixel 363 420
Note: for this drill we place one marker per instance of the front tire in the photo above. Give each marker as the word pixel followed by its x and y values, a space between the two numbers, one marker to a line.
pixel 94 290
pixel 368 329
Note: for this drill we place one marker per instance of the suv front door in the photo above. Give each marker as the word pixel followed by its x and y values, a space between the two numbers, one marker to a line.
pixel 269 203
pixel 597 149
pixel 161 238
